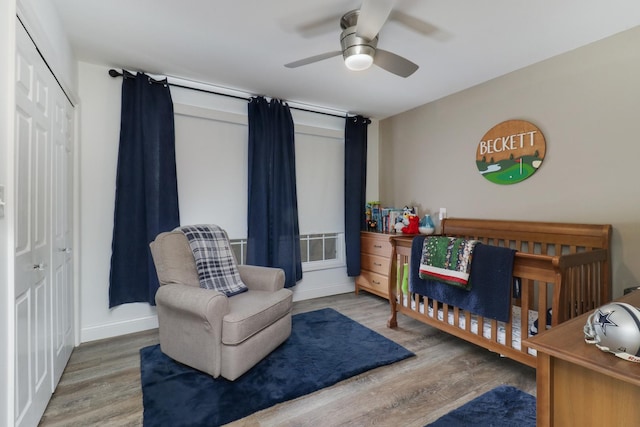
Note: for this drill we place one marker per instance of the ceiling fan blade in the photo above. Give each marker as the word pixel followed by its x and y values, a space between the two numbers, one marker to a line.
pixel 318 27
pixel 313 59
pixel 413 23
pixel 373 15
pixel 393 63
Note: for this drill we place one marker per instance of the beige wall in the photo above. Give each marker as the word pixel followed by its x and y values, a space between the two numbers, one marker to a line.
pixel 587 105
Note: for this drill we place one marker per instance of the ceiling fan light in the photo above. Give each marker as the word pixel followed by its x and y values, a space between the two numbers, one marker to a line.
pixel 357 52
pixel 358 61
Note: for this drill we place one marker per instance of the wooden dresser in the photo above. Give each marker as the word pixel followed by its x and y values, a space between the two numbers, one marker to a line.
pixel 580 385
pixel 375 262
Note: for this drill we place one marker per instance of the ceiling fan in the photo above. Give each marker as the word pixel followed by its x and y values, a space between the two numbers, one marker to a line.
pixel 359 41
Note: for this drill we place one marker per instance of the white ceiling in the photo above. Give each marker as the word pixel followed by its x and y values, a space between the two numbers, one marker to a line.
pixel 243 44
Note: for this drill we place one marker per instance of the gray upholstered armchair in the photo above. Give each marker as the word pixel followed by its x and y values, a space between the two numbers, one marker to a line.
pixel 207 330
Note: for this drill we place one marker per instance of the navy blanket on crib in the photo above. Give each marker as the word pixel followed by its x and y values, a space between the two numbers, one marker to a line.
pixel 491 277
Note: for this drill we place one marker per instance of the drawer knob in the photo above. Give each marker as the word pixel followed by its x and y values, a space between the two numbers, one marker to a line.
pixel 375 282
pixel 377 246
pixel 377 264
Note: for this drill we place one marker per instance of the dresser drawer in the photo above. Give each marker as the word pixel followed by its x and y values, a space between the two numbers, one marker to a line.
pixel 375 246
pixel 374 282
pixel 375 263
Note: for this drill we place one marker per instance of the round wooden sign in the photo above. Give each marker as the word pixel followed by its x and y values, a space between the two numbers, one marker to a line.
pixel 510 152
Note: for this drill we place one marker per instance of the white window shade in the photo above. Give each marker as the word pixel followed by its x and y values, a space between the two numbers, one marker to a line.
pixel 320 182
pixel 211 161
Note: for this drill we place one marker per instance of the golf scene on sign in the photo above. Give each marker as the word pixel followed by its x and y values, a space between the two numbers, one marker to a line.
pixel 510 152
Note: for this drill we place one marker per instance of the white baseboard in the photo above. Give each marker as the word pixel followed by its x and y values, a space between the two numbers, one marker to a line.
pixel 115 329
pixel 324 291
pixel 110 330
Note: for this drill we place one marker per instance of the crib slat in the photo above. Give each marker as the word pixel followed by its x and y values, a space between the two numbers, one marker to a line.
pixel 509 331
pixel 494 330
pixel 445 312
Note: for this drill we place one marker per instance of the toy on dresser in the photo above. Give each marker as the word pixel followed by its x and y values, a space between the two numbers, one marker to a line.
pixel 409 222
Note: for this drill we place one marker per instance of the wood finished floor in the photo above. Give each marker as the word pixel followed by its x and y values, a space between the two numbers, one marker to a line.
pixel 101 384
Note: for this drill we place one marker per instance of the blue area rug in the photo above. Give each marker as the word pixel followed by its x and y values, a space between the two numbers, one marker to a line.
pixel 504 406
pixel 325 347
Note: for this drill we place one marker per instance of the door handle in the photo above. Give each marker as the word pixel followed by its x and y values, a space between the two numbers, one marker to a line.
pixel 65 250
pixel 39 267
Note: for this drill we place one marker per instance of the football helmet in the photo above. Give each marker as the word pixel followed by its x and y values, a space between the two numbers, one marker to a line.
pixel 615 328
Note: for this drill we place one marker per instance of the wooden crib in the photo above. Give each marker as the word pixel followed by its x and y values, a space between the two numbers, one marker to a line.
pixel 563 267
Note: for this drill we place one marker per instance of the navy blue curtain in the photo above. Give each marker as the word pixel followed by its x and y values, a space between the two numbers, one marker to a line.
pixel 355 184
pixel 146 187
pixel 273 233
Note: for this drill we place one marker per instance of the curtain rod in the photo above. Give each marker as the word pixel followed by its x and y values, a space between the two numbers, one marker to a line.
pixel 116 73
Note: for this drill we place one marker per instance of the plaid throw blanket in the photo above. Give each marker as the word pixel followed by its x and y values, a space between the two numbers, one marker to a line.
pixel 215 262
pixel 447 260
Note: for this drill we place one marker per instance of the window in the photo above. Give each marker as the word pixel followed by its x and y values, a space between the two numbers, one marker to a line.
pixel 211 161
pixel 318 251
pixel 323 250
pixel 239 248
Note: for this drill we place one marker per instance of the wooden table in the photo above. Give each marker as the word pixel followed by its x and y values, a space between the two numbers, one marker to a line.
pixel 580 385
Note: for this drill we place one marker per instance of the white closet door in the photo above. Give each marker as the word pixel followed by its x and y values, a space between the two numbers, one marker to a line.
pixel 43 266
pixel 61 227
pixel 32 285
